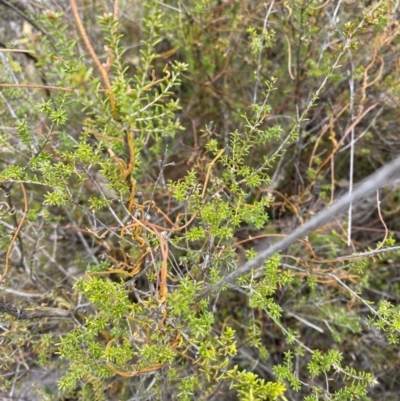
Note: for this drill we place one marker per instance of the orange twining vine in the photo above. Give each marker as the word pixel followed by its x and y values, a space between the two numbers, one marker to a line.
pixel 133 373
pixel 136 227
pixel 102 69
pixel 175 342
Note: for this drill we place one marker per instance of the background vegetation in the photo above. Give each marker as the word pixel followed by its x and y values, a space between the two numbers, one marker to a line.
pixel 150 149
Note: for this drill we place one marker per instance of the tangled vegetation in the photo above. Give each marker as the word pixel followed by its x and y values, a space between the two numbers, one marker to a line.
pixel 150 151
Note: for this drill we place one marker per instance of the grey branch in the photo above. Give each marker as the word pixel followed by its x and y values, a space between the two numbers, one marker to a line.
pixel 33 313
pixel 365 188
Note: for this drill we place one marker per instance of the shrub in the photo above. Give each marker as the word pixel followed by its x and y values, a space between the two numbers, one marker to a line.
pixel 152 163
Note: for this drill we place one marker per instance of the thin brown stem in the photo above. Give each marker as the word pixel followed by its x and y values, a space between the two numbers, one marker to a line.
pixel 96 60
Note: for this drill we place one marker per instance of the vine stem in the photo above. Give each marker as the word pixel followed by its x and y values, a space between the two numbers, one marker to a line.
pixel 96 60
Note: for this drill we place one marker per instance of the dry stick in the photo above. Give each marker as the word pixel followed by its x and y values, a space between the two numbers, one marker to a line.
pixel 33 313
pixel 16 233
pixel 28 86
pixel 378 206
pixel 15 51
pixel 370 184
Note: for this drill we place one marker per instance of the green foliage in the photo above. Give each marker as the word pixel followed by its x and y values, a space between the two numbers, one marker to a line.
pixel 151 166
pixel 251 387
